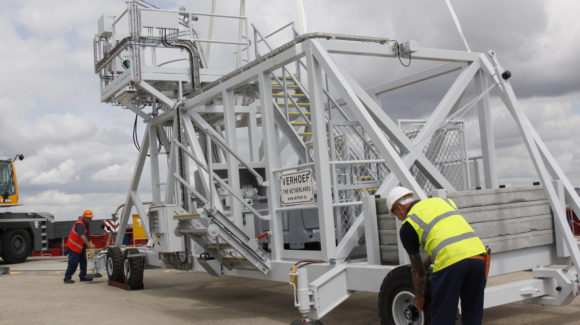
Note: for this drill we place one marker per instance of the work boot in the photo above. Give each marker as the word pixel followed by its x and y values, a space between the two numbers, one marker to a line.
pixel 86 279
pixel 68 281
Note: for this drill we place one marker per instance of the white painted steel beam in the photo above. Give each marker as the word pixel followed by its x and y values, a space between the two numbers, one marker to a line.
pixel 157 94
pixel 253 134
pixel 137 111
pixel 517 291
pixel 246 76
pixel 154 165
pixel 320 156
pixel 445 106
pixel 486 133
pixel 371 230
pixel 233 169
pixel 193 142
pixel 414 78
pixel 272 159
pixel 388 50
pixel 526 130
pixel 328 291
pixel 396 135
pixel 373 130
pixel 137 172
pixel 142 212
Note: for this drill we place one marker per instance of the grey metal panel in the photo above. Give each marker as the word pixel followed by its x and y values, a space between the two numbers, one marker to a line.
pixel 389 254
pixel 519 241
pixel 387 223
pixel 388 237
pixel 513 226
pixel 467 199
pixel 505 211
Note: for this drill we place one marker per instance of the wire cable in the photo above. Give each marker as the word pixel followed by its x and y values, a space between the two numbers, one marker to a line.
pixel 399 55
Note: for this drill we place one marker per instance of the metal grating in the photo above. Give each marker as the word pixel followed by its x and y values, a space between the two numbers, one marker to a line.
pixel 447 152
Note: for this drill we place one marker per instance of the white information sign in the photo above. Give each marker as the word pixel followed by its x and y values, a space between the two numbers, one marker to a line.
pixel 296 187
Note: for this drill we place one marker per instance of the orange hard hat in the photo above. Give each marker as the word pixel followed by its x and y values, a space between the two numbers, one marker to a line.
pixel 88 214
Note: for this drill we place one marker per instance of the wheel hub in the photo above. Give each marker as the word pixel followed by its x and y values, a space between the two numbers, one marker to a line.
pixel 404 310
pixel 17 243
pixel 412 313
pixel 127 268
pixel 110 265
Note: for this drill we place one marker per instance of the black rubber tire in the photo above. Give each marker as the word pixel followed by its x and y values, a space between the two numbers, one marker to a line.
pixel 133 268
pixel 16 245
pixel 114 264
pixel 399 281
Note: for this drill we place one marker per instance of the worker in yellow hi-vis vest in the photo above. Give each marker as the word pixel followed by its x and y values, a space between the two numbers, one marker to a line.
pixel 460 260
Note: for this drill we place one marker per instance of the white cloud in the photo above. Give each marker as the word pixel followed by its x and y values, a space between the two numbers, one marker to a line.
pixel 62 174
pixel 114 172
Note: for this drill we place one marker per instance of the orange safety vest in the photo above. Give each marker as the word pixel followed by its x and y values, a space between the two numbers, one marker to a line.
pixel 75 242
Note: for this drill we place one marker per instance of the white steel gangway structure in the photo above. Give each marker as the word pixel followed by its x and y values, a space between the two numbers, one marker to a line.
pixel 277 165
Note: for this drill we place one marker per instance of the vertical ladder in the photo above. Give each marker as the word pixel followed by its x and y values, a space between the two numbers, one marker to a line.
pixel 44 237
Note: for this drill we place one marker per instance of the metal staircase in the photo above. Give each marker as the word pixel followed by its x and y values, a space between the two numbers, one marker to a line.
pixel 223 240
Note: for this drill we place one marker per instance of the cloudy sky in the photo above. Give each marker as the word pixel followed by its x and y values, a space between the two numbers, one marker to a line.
pixel 79 152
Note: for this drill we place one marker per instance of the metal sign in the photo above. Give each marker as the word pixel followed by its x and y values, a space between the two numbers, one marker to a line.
pixel 296 187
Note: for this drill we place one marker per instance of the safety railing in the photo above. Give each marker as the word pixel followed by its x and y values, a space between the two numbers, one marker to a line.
pixel 212 178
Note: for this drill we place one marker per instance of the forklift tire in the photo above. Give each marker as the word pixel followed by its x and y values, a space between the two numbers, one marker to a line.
pixel 16 245
pixel 396 303
pixel 133 268
pixel 114 264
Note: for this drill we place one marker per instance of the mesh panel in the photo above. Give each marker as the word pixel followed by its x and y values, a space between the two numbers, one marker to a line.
pixel 349 143
pixel 446 151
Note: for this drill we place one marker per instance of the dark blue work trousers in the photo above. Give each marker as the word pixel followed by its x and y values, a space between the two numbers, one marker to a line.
pixel 464 279
pixel 74 259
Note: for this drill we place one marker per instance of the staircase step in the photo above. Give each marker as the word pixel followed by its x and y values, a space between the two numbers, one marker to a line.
pixel 298 123
pixel 187 216
pixel 298 113
pixel 282 86
pixel 292 104
pixel 281 77
pixel 291 95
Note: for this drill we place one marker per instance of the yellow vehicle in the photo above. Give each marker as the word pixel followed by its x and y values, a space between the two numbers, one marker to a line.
pixel 20 232
pixel 8 184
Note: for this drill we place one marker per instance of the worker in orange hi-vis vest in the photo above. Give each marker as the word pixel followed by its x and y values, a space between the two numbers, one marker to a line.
pixel 76 247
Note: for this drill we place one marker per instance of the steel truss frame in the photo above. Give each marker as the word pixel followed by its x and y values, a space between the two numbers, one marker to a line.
pixel 204 127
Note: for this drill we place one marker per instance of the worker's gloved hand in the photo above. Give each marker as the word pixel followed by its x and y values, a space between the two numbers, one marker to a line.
pixel 419 302
pixel 91 245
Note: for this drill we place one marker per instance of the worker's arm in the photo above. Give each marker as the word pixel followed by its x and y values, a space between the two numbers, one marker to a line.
pixel 418 271
pixel 87 242
pixel 427 262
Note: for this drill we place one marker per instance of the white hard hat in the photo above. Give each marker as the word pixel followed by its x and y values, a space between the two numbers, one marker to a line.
pixel 395 195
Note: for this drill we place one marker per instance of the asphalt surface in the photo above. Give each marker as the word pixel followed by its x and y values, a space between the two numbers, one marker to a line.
pixel 33 293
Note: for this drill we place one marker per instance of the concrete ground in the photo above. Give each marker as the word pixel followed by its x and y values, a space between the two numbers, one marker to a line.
pixel 33 293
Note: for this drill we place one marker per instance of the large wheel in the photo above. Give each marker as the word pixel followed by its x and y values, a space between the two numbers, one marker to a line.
pixel 16 245
pixel 133 268
pixel 114 264
pixel 396 303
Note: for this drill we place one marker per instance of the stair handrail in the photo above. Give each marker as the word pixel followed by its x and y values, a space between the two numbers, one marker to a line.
pixel 284 69
pixel 224 146
pixel 214 176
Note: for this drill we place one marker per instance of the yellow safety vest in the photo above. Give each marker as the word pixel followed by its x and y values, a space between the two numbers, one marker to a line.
pixel 443 232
